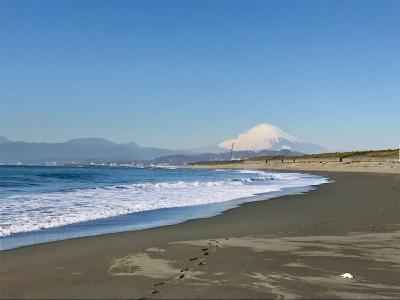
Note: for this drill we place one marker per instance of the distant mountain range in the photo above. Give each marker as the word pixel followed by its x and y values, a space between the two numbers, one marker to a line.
pixel 263 139
pixel 78 151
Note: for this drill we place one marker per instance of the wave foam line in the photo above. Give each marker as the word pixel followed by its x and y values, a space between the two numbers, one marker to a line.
pixel 24 213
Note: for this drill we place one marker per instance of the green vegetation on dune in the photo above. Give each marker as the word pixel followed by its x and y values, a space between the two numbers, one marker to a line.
pixel 369 153
pixel 388 153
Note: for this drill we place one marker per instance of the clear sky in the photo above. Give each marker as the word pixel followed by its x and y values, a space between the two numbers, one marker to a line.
pixel 188 73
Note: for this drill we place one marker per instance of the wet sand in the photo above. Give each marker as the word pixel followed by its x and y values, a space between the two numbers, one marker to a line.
pixel 289 247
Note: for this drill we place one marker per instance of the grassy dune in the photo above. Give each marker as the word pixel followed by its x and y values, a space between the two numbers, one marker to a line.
pixel 369 153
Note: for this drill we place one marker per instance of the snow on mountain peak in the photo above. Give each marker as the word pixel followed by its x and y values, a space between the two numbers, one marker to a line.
pixel 260 137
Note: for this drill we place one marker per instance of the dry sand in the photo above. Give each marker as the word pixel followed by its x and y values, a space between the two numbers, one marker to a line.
pixel 365 167
pixel 289 247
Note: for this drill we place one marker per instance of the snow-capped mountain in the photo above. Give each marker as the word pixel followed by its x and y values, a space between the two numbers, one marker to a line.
pixel 265 137
pixel 261 137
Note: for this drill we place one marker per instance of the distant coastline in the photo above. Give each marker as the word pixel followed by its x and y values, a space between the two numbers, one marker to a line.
pixel 376 161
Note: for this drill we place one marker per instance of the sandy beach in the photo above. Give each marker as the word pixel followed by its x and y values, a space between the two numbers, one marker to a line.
pixel 200 149
pixel 359 167
pixel 289 247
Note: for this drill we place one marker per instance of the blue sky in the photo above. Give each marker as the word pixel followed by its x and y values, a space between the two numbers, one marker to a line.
pixel 183 74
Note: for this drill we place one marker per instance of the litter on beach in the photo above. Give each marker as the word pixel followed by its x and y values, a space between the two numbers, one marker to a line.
pixel 347 276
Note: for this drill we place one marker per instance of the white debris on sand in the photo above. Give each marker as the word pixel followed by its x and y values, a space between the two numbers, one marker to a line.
pixel 347 276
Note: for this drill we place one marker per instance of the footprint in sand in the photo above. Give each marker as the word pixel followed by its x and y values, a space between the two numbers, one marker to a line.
pixel 159 283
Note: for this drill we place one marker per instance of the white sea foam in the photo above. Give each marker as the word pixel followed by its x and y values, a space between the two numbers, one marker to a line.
pixel 23 213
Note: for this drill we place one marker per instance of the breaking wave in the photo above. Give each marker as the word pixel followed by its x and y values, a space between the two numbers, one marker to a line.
pixel 36 211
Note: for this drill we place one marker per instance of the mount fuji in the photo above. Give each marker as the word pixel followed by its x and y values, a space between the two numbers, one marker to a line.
pixel 263 137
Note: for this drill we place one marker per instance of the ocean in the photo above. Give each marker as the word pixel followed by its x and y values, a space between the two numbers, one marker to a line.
pixel 43 204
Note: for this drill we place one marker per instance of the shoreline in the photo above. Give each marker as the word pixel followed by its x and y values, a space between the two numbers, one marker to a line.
pixel 232 207
pixel 165 216
pixel 272 234
pixel 228 205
